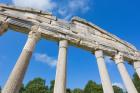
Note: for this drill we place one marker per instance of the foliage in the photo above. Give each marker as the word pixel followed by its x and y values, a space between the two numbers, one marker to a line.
pixel 92 87
pixel 117 89
pixel 22 89
pixel 51 86
pixel 68 91
pixel 136 81
pixel 36 86
pixel 77 90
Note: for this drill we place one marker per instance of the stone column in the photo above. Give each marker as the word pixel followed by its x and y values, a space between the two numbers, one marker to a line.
pixel 60 80
pixel 3 27
pixel 137 67
pixel 124 74
pixel 105 79
pixel 15 79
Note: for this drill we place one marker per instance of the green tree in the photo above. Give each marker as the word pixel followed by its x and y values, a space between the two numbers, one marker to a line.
pixel 68 90
pixel 92 87
pixel 36 86
pixel 51 86
pixel 117 89
pixel 77 90
pixel 136 81
pixel 0 89
pixel 22 89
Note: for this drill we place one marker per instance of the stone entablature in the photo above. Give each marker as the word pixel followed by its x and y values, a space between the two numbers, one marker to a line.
pixel 78 32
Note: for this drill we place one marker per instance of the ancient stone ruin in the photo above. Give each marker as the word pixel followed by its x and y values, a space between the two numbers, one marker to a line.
pixel 77 32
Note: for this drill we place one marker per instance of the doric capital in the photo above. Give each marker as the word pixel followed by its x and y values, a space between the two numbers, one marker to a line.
pixel 63 44
pixel 34 33
pixel 136 64
pixel 119 58
pixel 99 54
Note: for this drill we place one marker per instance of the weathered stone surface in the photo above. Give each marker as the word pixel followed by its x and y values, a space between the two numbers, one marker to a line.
pixel 61 24
pixel 3 27
pixel 124 74
pixel 105 79
pixel 78 32
pixel 61 70
pixel 137 67
pixel 16 77
pixel 24 9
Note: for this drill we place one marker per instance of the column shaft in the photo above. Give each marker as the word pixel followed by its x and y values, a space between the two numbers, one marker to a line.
pixel 60 80
pixel 16 77
pixel 105 79
pixel 124 74
pixel 137 67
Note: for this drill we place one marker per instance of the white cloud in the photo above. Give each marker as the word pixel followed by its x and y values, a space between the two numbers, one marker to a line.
pixel 82 5
pixel 72 7
pixel 108 60
pixel 37 4
pixel 62 11
pixel 120 85
pixel 44 58
pixel 65 9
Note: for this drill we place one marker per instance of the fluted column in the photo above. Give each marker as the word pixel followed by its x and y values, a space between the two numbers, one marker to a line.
pixel 16 77
pixel 105 79
pixel 137 67
pixel 124 74
pixel 3 27
pixel 60 80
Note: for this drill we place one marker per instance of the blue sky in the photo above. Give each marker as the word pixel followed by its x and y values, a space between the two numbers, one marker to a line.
pixel 120 17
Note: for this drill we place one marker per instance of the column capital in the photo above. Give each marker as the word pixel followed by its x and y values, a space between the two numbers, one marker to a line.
pixel 33 37
pixel 119 58
pixel 34 33
pixel 63 44
pixel 99 54
pixel 136 64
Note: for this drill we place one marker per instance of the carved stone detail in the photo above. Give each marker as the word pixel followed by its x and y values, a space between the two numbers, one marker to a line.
pixel 33 37
pixel 78 32
pixel 119 58
pixel 34 33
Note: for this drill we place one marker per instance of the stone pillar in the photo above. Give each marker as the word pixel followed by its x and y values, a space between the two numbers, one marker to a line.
pixel 15 79
pixel 60 80
pixel 3 27
pixel 105 79
pixel 124 74
pixel 137 67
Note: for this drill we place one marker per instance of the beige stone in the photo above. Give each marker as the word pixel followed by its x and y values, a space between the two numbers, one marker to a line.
pixel 78 32
pixel 3 27
pixel 77 29
pixel 124 74
pixel 105 79
pixel 16 77
pixel 137 67
pixel 60 79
